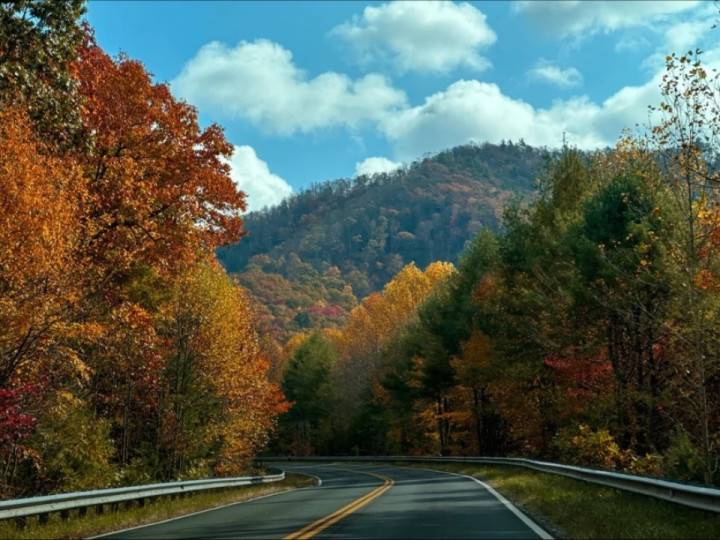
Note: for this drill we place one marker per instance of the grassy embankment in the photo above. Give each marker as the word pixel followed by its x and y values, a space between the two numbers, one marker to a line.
pixel 92 524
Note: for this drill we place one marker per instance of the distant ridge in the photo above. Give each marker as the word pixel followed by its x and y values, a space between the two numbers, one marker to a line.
pixel 300 256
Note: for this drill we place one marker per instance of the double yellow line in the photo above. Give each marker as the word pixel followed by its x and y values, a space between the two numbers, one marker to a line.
pixel 323 523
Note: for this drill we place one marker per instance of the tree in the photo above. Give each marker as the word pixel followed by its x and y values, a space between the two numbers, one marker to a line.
pixel 38 42
pixel 159 199
pixel 117 326
pixel 529 307
pixel 127 358
pixel 374 324
pixel 472 375
pixel 623 267
pixel 309 424
pixel 686 138
pixel 218 386
pixel 40 199
pixel 159 190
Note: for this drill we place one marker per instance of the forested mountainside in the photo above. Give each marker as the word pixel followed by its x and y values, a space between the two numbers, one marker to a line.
pixel 309 259
pixel 585 332
pixel 580 325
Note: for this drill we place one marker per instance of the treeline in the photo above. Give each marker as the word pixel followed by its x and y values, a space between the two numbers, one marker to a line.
pixel 329 373
pixel 126 353
pixel 308 259
pixel 587 332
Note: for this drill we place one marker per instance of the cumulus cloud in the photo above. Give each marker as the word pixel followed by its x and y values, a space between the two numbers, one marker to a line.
pixel 375 165
pixel 477 111
pixel 544 71
pixel 465 111
pixel 259 82
pixel 685 36
pixel 425 37
pixel 252 175
pixel 631 42
pixel 577 17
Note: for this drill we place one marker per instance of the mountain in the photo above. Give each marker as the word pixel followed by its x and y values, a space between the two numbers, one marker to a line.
pixel 308 260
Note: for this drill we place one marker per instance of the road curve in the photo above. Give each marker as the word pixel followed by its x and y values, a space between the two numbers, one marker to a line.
pixel 356 502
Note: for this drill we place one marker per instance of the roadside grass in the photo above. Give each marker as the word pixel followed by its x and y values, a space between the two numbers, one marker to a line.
pixel 569 508
pixel 93 524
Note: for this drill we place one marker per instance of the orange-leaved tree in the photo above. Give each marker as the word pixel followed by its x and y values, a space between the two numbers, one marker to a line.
pixel 159 199
pixel 40 198
pixel 159 188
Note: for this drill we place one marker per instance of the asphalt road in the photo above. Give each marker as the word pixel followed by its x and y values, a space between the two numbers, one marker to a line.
pixel 356 502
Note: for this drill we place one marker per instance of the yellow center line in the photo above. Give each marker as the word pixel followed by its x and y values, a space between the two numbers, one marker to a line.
pixel 324 522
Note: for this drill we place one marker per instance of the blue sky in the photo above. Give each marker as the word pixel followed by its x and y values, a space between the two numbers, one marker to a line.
pixel 314 91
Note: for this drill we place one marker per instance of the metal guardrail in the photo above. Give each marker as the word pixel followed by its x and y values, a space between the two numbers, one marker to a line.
pixel 21 508
pixel 702 498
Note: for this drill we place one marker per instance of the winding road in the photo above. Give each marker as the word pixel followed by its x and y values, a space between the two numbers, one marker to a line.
pixel 359 501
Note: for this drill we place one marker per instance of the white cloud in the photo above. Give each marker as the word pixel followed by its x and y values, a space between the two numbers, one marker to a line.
pixel 577 17
pixel 467 110
pixel 426 37
pixel 374 165
pixel 258 81
pixel 546 72
pixel 631 42
pixel 686 35
pixel 478 111
pixel 252 175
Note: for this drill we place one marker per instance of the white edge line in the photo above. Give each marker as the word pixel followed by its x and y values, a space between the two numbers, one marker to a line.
pixel 207 510
pixel 542 533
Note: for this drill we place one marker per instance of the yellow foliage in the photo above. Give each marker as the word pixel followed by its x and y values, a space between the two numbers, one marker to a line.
pixel 294 342
pixel 227 349
pixel 439 271
pixel 475 359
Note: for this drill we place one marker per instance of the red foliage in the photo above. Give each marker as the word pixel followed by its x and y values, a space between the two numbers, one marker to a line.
pixel 327 311
pixel 580 375
pixel 15 424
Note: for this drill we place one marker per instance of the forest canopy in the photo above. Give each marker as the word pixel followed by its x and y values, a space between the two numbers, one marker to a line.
pixel 127 354
pixel 581 328
pixel 489 299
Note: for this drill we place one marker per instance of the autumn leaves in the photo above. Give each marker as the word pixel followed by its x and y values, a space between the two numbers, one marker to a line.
pixel 585 332
pixel 124 346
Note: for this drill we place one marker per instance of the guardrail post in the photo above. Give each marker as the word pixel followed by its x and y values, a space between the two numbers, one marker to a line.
pixel 21 523
pixel 65 514
pixel 99 509
pixel 43 518
pixel 82 511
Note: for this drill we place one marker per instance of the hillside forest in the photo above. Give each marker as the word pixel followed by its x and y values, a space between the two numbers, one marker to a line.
pixel 581 328
pixel 488 300
pixel 311 258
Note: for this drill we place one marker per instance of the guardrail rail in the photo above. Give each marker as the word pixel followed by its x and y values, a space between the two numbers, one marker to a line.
pixel 21 509
pixel 699 497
